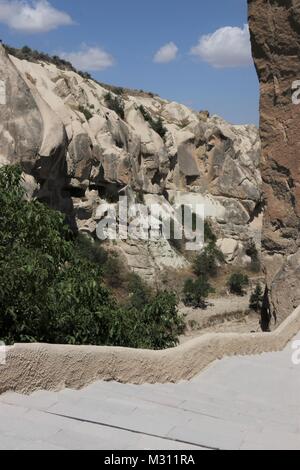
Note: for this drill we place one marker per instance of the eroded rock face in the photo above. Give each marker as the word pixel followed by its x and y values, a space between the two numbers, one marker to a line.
pixel 275 34
pixel 83 155
pixel 21 125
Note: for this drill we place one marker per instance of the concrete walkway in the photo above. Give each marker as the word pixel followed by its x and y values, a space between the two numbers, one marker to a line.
pixel 237 403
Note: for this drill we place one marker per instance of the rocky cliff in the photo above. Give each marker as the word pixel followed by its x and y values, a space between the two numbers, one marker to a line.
pixel 82 144
pixel 275 34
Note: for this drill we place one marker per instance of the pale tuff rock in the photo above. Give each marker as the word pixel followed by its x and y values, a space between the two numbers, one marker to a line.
pixel 30 186
pixel 229 248
pixel 2 92
pixel 83 154
pixel 21 125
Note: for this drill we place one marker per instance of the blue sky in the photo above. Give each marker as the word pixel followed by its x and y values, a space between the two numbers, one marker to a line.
pixel 122 37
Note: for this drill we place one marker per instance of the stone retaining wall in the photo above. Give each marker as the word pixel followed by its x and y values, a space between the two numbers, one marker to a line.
pixel 31 367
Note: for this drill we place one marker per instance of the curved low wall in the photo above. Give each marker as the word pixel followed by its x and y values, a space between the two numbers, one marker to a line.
pixel 33 367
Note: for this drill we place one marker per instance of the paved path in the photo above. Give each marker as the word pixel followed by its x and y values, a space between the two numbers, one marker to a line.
pixel 237 403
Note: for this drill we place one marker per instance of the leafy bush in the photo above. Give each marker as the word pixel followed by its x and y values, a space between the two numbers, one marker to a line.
pixel 113 271
pixel 162 318
pixel 90 249
pixel 209 235
pixel 87 113
pixel 252 251
pixel 119 90
pixel 208 261
pixel 52 288
pixel 237 283
pixel 157 326
pixel 256 298
pixel 159 128
pixel 140 293
pixel 115 104
pixel 85 75
pixel 196 292
pixel 157 125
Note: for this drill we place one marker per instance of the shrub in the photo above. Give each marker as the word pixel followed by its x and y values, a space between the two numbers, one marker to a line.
pixel 209 235
pixel 157 125
pixel 256 298
pixel 140 293
pixel 113 271
pixel 196 292
pixel 119 90
pixel 87 113
pixel 115 104
pixel 159 128
pixel 85 75
pixel 237 283
pixel 91 249
pixel 252 251
pixel 208 261
pixel 52 287
pixel 161 316
pixel 157 326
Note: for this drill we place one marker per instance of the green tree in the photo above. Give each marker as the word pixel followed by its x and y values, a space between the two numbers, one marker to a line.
pixel 162 320
pixel 113 271
pixel 195 292
pixel 208 261
pixel 209 235
pixel 237 283
pixel 256 298
pixel 252 251
pixel 140 292
pixel 91 249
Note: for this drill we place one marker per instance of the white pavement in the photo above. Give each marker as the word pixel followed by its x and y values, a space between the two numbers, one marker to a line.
pixel 237 403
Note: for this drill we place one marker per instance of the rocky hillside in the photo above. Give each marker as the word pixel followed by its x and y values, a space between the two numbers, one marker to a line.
pixel 276 43
pixel 81 144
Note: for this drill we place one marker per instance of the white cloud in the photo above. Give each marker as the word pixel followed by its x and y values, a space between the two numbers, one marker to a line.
pixel 32 16
pixel 89 58
pixel 226 47
pixel 166 54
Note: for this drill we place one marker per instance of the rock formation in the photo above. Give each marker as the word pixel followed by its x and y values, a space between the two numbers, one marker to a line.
pixel 275 35
pixel 81 144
